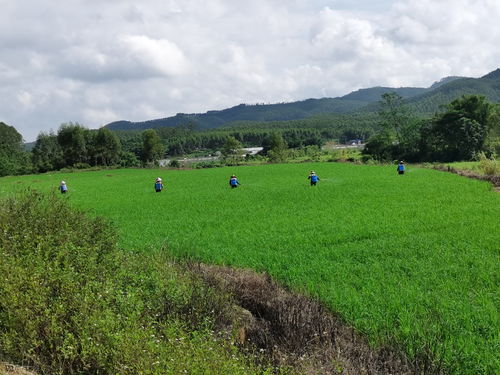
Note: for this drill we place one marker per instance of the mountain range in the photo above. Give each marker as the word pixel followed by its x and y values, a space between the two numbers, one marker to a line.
pixel 424 101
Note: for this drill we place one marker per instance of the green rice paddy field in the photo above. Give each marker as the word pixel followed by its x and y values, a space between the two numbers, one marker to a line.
pixel 410 261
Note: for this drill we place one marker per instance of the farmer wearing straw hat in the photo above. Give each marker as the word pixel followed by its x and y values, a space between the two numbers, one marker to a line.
pixel 313 177
pixel 158 185
pixel 63 187
pixel 233 182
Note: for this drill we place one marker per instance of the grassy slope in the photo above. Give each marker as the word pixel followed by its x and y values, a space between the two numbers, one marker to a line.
pixel 408 258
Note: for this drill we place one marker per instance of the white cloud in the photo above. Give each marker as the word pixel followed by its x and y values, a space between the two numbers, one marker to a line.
pixel 25 99
pixel 93 61
pixel 126 57
pixel 99 116
pixel 8 73
pixel 159 55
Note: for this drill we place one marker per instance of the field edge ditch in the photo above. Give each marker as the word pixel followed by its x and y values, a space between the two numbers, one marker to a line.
pixel 294 330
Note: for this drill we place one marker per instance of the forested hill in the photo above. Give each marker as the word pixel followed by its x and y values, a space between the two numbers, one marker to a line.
pixel 431 101
pixel 244 112
pixel 422 100
pixel 373 94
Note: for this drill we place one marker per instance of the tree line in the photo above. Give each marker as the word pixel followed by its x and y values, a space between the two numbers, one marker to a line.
pixel 461 131
pixel 314 131
pixel 75 146
pixel 72 146
pixel 466 127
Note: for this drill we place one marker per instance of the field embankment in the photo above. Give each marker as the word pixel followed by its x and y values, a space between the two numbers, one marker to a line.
pixel 300 333
pixel 409 261
pixel 473 170
pixel 72 303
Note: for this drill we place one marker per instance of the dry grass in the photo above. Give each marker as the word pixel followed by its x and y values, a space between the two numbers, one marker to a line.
pixel 494 179
pixel 297 332
pixel 291 330
pixel 8 369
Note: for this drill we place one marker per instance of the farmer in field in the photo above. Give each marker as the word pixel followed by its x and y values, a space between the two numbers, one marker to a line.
pixel 401 167
pixel 313 178
pixel 233 182
pixel 158 185
pixel 63 187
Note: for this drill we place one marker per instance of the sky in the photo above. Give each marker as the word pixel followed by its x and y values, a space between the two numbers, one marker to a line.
pixel 93 62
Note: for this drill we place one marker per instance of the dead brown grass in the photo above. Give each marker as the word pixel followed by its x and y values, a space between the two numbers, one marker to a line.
pixel 300 333
pixel 494 179
pixel 8 369
pixel 292 331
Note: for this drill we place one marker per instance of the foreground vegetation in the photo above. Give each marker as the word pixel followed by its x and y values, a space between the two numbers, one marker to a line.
pixel 408 260
pixel 72 303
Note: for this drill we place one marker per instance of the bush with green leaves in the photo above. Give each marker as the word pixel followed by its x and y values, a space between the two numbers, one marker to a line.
pixel 129 159
pixel 174 163
pixel 71 302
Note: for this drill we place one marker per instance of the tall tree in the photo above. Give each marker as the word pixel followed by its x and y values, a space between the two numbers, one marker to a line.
pixel 107 147
pixel 231 147
pixel 12 158
pixel 460 132
pixel 47 154
pixel 71 138
pixel 394 115
pixel 278 148
pixel 379 147
pixel 400 131
pixel 152 149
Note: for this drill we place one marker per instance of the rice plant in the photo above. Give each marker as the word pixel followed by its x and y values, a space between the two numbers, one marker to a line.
pixel 411 261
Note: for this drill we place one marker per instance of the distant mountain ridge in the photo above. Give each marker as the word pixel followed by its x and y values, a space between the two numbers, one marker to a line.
pixel 373 94
pixel 431 101
pixel 492 75
pixel 422 100
pixel 245 112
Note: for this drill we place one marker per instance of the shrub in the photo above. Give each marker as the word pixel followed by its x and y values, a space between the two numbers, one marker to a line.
pixel 72 302
pixel 350 155
pixel 129 159
pixel 488 166
pixel 174 163
pixel 81 166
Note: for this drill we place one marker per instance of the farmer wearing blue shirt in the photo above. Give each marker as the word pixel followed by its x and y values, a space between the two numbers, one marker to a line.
pixel 313 177
pixel 401 168
pixel 63 187
pixel 158 185
pixel 233 182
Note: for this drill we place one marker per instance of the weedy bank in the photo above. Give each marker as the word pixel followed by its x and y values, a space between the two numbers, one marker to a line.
pixel 408 260
pixel 72 303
